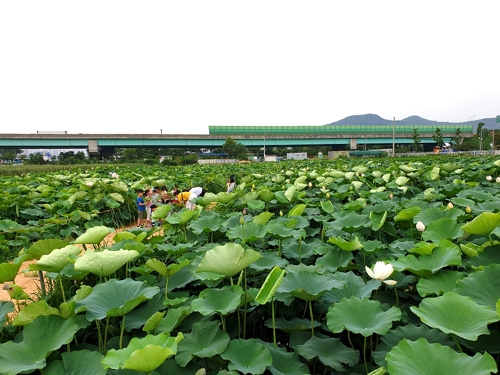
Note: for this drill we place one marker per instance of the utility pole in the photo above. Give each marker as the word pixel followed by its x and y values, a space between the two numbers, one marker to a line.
pixel 393 137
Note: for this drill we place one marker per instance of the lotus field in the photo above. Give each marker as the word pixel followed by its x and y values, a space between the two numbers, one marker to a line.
pixel 314 267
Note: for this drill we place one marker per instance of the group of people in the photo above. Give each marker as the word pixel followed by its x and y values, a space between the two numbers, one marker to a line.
pixel 148 200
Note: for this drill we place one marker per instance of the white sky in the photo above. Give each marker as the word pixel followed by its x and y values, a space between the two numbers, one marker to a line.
pixel 99 66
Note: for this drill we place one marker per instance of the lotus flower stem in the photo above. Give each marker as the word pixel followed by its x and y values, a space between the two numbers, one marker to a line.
pixel 121 332
pixel 245 307
pixel 99 337
pixel 272 318
pixel 62 288
pixel 364 355
pixel 349 338
pixel 312 318
pixel 456 342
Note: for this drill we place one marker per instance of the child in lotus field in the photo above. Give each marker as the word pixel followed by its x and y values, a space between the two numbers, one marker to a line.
pixel 141 208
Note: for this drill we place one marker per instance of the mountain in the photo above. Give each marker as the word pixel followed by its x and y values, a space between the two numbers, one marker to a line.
pixel 374 120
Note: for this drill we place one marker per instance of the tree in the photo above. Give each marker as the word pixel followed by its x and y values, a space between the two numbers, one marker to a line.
pixel 36 159
pixel 458 139
pixel 233 149
pixel 438 137
pixel 416 140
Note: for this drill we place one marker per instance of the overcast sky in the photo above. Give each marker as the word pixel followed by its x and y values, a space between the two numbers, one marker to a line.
pixel 180 66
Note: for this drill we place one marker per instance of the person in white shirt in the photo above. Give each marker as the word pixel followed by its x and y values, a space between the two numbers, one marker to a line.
pixel 231 184
pixel 193 194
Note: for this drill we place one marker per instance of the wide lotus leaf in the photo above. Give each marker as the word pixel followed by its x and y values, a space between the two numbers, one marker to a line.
pixel 6 307
pixel 331 352
pixel 352 222
pixel 270 285
pixel 411 332
pixel 225 198
pixel 56 260
pixel 346 245
pixel 442 229
pixel 117 197
pixel 294 325
pixel 262 218
pixel 78 196
pixel 354 287
pixel 94 235
pixel 334 259
pixel 407 214
pixel 143 354
pixel 483 224
pixel 81 362
pixel 456 314
pixel 227 260
pixel 266 195
pixel 207 199
pixel 308 286
pixel 9 271
pixel 163 270
pixel 104 263
pixel 182 217
pixel 435 213
pixel 221 301
pixel 206 340
pixel 44 247
pixel 482 286
pixel 208 222
pixel 361 316
pixel 439 283
pixel 247 356
pixel 162 211
pixel 419 357
pixel 286 363
pixel 425 264
pixel 115 298
pixel 44 335
pixel 248 232
pixel 32 311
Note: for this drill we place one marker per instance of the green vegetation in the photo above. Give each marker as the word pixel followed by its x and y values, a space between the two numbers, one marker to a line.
pixel 309 267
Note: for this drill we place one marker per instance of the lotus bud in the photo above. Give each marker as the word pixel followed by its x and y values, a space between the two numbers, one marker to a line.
pixel 420 226
pixel 282 187
pixel 498 180
pixel 89 183
pixel 323 187
pixel 281 213
pixel 450 205
pixel 489 178
pixel 468 210
pixel 391 195
pixel 327 195
pixel 362 175
pixel 242 221
pixel 244 211
pixel 311 185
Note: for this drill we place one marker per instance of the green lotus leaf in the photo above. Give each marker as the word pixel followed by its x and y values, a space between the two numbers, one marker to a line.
pixel 456 314
pixel 407 214
pixel 256 205
pixel 44 335
pixel 174 317
pixel 432 214
pixel 222 301
pixel 115 298
pixel 165 270
pixel 442 256
pixel 483 224
pixel 17 292
pixel 360 315
pixel 56 260
pixel 153 321
pixel 354 286
pixel 93 236
pixel 120 186
pixel 227 260
pixel 297 210
pixel 294 325
pixel 352 222
pixel 117 197
pixel 6 307
pixel 300 187
pixel 434 174
pixel 266 195
pixel 420 357
pixel 378 219
pixel 225 198
pixel 182 217
pixel 289 193
pixel 413 333
pixel 327 206
pixel 206 340
pixel 346 245
pixel 9 271
pixel 32 311
pixel 270 285
pixel 331 352
pixel 83 215
pixel 439 283
pixel 208 221
pixel 334 259
pixel 308 286
pixel 207 199
pixel 285 363
pixel 268 261
pixel 104 263
pixel 161 211
pixel 379 371
pixel 251 196
pixel 442 229
pixel 44 247
pixel 247 356
pixel 77 363
pixel 78 196
pixel 263 218
pixel 143 354
pixel 248 232
pixel 483 286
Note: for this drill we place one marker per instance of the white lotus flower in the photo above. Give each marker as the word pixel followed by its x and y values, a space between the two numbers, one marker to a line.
pixel 381 272
pixel 450 205
pixel 89 183
pixel 489 178
pixel 498 179
pixel 420 226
